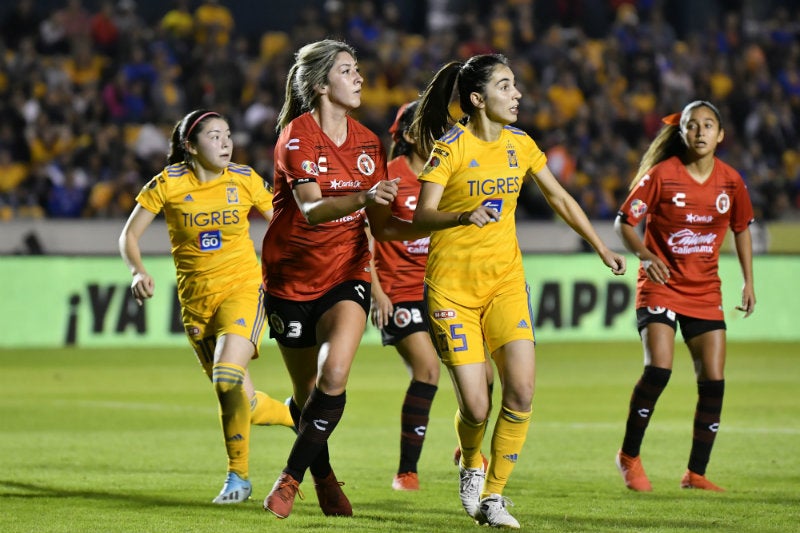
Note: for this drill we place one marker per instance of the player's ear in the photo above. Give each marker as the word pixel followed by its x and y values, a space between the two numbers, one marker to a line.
pixel 476 99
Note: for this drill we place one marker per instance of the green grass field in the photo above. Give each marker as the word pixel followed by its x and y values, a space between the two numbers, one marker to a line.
pixel 129 441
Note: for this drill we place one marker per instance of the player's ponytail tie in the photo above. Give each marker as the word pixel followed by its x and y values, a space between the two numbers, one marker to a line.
pixel 672 120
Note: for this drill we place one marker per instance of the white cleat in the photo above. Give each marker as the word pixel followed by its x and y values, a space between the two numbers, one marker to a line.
pixel 469 489
pixel 493 512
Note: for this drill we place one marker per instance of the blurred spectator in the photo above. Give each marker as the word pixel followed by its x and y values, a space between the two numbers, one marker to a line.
pixel 53 34
pixel 75 20
pixel 69 189
pixel 12 172
pixel 129 22
pixel 84 66
pixel 178 22
pixel 213 24
pixel 105 33
pixel 48 141
pixel 566 97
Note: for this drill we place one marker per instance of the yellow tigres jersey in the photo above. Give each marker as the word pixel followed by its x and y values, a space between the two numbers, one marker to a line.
pixel 467 263
pixel 209 227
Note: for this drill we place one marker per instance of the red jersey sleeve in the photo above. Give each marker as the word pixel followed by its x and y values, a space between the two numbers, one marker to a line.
pixel 643 195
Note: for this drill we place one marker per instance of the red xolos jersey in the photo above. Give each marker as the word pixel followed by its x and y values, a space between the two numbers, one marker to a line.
pixel 685 225
pixel 302 262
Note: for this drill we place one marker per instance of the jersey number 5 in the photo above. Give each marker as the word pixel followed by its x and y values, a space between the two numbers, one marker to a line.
pixel 459 340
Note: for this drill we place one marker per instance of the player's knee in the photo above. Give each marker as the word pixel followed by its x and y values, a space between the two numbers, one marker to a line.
pixel 227 378
pixel 656 376
pixel 427 374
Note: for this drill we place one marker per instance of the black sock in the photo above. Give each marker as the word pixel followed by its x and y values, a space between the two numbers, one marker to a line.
pixel 706 423
pixel 319 418
pixel 320 466
pixel 414 423
pixel 643 402
pixel 294 411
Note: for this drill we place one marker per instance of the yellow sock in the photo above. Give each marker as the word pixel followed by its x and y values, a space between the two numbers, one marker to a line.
pixel 267 411
pixel 509 436
pixel 234 414
pixel 470 437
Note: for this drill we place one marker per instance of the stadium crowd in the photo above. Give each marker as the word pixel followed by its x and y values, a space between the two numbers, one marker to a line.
pixel 89 91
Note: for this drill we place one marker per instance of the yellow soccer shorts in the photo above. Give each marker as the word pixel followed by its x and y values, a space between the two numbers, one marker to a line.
pixel 459 333
pixel 239 311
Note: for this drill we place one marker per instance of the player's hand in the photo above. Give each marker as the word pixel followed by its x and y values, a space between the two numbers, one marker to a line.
pixel 382 309
pixel 142 287
pixel 748 301
pixel 383 193
pixel 482 216
pixel 615 262
pixel 655 269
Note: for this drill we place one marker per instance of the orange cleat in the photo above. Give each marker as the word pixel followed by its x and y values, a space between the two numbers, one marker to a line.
pixel 457 459
pixel 632 472
pixel 280 500
pixel 406 481
pixel 696 481
pixel 332 500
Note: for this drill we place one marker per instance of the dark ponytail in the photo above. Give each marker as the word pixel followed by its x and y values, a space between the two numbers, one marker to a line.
pixel 433 119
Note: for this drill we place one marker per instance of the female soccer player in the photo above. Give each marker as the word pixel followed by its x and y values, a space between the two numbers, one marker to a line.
pixel 687 198
pixel 206 200
pixel 476 289
pixel 330 173
pixel 398 307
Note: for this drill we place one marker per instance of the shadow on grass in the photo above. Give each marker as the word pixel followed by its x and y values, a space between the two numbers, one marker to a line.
pixel 32 491
pixel 608 523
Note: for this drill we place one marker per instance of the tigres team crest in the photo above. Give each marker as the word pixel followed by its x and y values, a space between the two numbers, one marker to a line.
pixel 512 157
pixel 233 194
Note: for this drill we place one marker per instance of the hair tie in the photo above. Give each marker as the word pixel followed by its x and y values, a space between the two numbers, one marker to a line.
pixel 198 119
pixel 672 120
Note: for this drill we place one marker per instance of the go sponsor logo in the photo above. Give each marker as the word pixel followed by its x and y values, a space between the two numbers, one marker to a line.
pixel 210 240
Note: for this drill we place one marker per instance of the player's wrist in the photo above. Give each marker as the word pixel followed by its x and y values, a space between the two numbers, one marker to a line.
pixel 463 218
